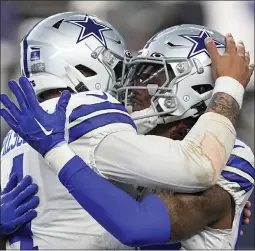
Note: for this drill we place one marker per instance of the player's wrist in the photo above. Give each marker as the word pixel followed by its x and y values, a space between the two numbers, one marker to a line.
pixel 59 156
pixel 231 87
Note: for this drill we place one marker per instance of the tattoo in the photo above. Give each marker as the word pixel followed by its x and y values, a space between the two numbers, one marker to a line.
pixel 190 213
pixel 225 105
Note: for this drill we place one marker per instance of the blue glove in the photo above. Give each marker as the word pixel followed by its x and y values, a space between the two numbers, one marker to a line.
pixel 38 128
pixel 17 204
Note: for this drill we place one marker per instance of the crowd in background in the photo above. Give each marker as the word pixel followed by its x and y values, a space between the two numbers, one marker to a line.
pixel 137 21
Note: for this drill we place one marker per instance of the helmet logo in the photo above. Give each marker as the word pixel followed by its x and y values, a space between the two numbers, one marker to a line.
pixel 199 44
pixel 35 54
pixel 89 27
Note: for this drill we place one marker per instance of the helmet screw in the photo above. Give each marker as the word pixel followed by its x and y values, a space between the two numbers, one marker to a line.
pixel 169 103
pixel 180 67
pixel 98 86
pixel 94 55
pixel 186 98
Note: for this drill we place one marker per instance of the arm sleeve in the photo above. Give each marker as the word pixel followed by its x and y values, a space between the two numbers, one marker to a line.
pixel 191 165
pixel 132 223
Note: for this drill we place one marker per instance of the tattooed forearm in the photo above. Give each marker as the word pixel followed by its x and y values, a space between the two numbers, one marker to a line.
pixel 225 105
pixel 190 213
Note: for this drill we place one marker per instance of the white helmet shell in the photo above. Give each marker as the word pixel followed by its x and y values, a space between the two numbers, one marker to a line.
pixel 65 43
pixel 181 50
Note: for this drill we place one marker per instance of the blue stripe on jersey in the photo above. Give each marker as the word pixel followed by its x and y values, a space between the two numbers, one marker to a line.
pixel 24 233
pixel 241 164
pixel 84 110
pixel 237 146
pixel 93 123
pixel 242 141
pixel 233 177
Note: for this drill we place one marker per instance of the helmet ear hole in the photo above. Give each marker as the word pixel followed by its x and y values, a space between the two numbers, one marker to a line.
pixel 86 71
pixel 118 70
pixel 202 88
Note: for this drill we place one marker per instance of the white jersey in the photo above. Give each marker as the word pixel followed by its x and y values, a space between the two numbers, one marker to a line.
pixel 102 133
pixel 238 180
pixel 61 222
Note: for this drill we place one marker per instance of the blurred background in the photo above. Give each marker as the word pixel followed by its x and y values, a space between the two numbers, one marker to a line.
pixel 137 21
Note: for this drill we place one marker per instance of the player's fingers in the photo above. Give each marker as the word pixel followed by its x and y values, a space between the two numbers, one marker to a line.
pixel 25 218
pixel 9 119
pixel 240 49
pixel 31 204
pixel 16 90
pixel 26 194
pixel 12 183
pixel 15 112
pixel 247 57
pixel 246 213
pixel 212 50
pixel 231 45
pixel 22 185
pixel 247 204
pixel 29 92
pixel 63 101
pixel 246 221
pixel 251 70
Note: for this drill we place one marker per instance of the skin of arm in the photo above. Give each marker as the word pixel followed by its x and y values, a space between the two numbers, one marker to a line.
pixel 204 208
pixel 225 105
pixel 154 220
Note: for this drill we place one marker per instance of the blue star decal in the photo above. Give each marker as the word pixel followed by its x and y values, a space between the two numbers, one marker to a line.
pixel 199 44
pixel 89 27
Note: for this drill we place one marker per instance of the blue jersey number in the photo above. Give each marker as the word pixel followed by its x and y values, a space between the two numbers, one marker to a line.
pixel 24 233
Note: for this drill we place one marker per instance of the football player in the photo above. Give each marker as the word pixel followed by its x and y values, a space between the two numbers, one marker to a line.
pixel 77 52
pixel 193 91
pixel 61 107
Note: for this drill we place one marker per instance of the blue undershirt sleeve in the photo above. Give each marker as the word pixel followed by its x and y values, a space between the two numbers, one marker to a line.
pixel 133 223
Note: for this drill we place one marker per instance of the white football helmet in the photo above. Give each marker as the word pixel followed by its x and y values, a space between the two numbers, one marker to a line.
pixel 175 68
pixel 63 45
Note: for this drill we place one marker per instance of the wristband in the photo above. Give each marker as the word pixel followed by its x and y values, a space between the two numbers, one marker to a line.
pixel 59 156
pixel 231 87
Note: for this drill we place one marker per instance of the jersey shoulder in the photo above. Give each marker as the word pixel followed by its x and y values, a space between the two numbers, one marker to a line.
pixel 91 97
pixel 239 174
pixel 82 98
pixel 90 113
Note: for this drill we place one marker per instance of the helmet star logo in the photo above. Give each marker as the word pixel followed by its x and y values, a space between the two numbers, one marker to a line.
pixel 199 44
pixel 89 27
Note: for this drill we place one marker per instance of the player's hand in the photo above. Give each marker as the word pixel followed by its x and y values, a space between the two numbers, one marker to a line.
pixel 41 130
pixel 17 204
pixel 233 63
pixel 246 215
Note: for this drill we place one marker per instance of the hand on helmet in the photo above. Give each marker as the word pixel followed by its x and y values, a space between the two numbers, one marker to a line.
pixel 233 63
pixel 41 130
